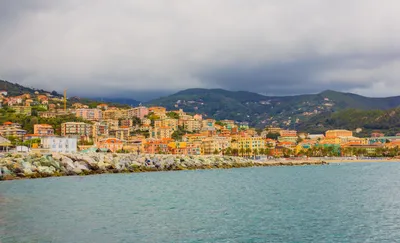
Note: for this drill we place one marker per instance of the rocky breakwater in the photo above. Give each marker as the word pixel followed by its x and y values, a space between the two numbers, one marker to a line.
pixel 15 166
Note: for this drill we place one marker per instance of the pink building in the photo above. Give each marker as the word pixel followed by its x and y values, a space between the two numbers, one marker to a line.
pixel 139 112
pixel 89 114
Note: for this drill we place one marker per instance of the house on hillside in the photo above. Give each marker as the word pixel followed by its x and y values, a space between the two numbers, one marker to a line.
pixel 4 144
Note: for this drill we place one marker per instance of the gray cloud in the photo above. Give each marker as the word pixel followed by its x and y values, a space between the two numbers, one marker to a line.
pixel 140 49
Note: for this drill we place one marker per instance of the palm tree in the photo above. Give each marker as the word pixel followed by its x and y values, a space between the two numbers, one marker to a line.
pixel 228 151
pixel 241 151
pixel 235 152
pixel 255 152
pixel 248 151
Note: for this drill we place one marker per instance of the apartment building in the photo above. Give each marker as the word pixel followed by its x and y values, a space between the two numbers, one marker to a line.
pixel 168 122
pixel 100 129
pixel 160 132
pixel 338 133
pixel 139 112
pixel 89 114
pixel 43 130
pixel 213 144
pixel 251 143
pixel 192 125
pixel 113 144
pixel 76 129
pixel 12 130
pixel 60 144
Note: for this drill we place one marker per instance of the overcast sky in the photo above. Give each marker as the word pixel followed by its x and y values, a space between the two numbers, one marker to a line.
pixel 145 48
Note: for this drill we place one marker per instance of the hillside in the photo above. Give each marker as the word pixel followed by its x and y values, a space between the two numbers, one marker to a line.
pixel 122 101
pixel 260 110
pixel 387 121
pixel 15 89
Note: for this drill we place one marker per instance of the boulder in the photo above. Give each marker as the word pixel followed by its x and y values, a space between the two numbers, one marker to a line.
pixel 48 170
pixel 67 163
pixel 80 167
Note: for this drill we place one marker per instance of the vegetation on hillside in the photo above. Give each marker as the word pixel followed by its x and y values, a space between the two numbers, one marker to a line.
pixel 262 110
pixel 387 121
pixel 27 122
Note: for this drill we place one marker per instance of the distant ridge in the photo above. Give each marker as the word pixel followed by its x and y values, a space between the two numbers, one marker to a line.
pixel 293 112
pixel 260 110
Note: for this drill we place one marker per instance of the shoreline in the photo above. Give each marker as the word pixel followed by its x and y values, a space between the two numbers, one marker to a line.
pixel 364 160
pixel 32 166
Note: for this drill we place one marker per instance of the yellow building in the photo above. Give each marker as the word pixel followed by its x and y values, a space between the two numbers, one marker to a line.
pixel 193 137
pixel 192 125
pixel 212 144
pixel 208 123
pixel 287 139
pixel 114 114
pixel 168 122
pixel 160 132
pixel 353 140
pixel 252 143
pixel 76 129
pixel 330 140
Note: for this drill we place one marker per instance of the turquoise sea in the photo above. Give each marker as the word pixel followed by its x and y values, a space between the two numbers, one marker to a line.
pixel 355 202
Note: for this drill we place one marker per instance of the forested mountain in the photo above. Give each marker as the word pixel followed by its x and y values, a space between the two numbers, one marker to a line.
pixel 260 110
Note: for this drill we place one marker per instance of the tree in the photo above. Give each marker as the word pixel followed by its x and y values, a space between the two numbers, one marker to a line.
pixel 220 123
pixel 173 115
pixel 235 152
pixel 177 135
pixel 255 152
pixel 136 121
pixel 248 151
pixel 228 151
pixel 241 151
pixel 272 135
pixel 216 152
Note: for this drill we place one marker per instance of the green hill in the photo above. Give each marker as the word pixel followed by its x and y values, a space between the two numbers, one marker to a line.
pixel 15 89
pixel 387 121
pixel 260 110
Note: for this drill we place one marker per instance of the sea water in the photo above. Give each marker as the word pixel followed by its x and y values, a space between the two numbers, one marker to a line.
pixel 355 202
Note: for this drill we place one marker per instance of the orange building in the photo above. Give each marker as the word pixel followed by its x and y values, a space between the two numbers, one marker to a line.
pixel 89 114
pixel 43 129
pixel 113 144
pixel 338 133
pixel 288 133
pixel 157 146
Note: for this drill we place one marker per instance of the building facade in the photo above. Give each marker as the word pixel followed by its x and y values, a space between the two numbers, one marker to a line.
pixel 60 144
pixel 80 129
pixel 43 130
pixel 89 114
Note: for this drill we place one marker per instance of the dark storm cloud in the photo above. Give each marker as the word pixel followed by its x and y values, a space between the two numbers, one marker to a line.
pixel 149 48
pixel 298 76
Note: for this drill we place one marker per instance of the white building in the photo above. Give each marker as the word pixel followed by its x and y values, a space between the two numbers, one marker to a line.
pixel 60 144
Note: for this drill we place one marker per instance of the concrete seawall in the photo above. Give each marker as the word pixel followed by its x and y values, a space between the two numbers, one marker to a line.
pixel 19 166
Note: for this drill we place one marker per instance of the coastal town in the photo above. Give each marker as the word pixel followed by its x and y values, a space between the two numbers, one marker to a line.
pixel 103 128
